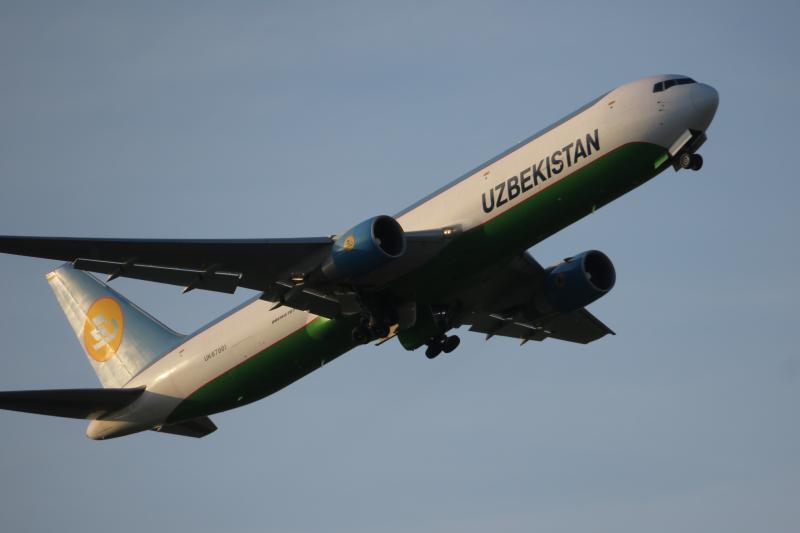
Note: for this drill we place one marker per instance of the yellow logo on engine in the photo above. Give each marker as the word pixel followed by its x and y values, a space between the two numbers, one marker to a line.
pixel 349 243
pixel 102 331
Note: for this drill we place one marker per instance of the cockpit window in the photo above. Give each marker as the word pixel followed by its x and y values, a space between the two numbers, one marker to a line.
pixel 664 85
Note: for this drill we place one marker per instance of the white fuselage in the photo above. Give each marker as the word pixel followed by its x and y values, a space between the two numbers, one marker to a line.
pixel 631 113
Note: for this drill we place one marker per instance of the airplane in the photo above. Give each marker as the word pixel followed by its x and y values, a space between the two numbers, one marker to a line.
pixel 458 257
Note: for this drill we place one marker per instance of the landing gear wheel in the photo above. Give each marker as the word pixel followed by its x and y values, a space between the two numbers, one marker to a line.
pixel 434 349
pixel 450 343
pixel 361 335
pixel 442 344
pixel 381 331
pixel 690 161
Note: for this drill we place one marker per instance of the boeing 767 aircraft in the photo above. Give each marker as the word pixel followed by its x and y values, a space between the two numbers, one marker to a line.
pixel 455 258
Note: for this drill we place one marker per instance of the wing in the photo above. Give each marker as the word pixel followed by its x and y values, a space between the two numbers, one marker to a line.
pixel 501 306
pixel 578 326
pixel 217 265
pixel 268 265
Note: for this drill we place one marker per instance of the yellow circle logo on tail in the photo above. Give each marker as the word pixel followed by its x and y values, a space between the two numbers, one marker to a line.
pixel 349 243
pixel 102 331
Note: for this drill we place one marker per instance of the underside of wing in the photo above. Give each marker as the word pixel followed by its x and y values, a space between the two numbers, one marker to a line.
pixel 509 304
pixel 578 326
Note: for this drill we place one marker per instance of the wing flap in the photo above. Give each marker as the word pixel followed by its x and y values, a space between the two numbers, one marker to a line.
pixel 88 404
pixel 578 326
pixel 493 325
pixel 209 279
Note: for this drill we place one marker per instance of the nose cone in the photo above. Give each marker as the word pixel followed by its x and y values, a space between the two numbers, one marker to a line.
pixel 705 99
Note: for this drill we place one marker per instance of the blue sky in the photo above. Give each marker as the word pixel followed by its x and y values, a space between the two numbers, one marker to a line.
pixel 286 119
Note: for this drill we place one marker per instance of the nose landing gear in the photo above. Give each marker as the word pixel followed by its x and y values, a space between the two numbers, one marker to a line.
pixel 690 161
pixel 442 344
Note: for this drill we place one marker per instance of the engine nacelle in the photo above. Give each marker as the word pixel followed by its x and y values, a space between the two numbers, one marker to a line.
pixel 365 248
pixel 578 281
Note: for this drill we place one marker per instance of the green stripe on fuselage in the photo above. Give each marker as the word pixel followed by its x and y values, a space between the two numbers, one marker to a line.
pixel 272 369
pixel 532 220
pixel 463 262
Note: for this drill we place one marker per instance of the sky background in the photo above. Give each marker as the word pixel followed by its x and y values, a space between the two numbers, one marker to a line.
pixel 279 119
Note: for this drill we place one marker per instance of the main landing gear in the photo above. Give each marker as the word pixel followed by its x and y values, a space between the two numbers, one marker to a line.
pixel 371 329
pixel 428 328
pixel 443 343
pixel 690 161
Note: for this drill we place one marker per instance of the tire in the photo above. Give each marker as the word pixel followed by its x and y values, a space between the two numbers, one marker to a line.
pixel 381 331
pixel 451 343
pixel 433 350
pixel 685 160
pixel 361 335
pixel 697 162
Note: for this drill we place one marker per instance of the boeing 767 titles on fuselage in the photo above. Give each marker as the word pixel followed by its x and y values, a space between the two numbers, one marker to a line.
pixel 455 258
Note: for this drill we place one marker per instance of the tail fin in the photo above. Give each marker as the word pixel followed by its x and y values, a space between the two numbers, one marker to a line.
pixel 119 338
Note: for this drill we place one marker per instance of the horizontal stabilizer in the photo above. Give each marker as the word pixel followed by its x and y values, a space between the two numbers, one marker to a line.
pixel 88 404
pixel 196 427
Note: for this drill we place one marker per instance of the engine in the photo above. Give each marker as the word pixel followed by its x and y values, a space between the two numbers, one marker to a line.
pixel 578 281
pixel 365 248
